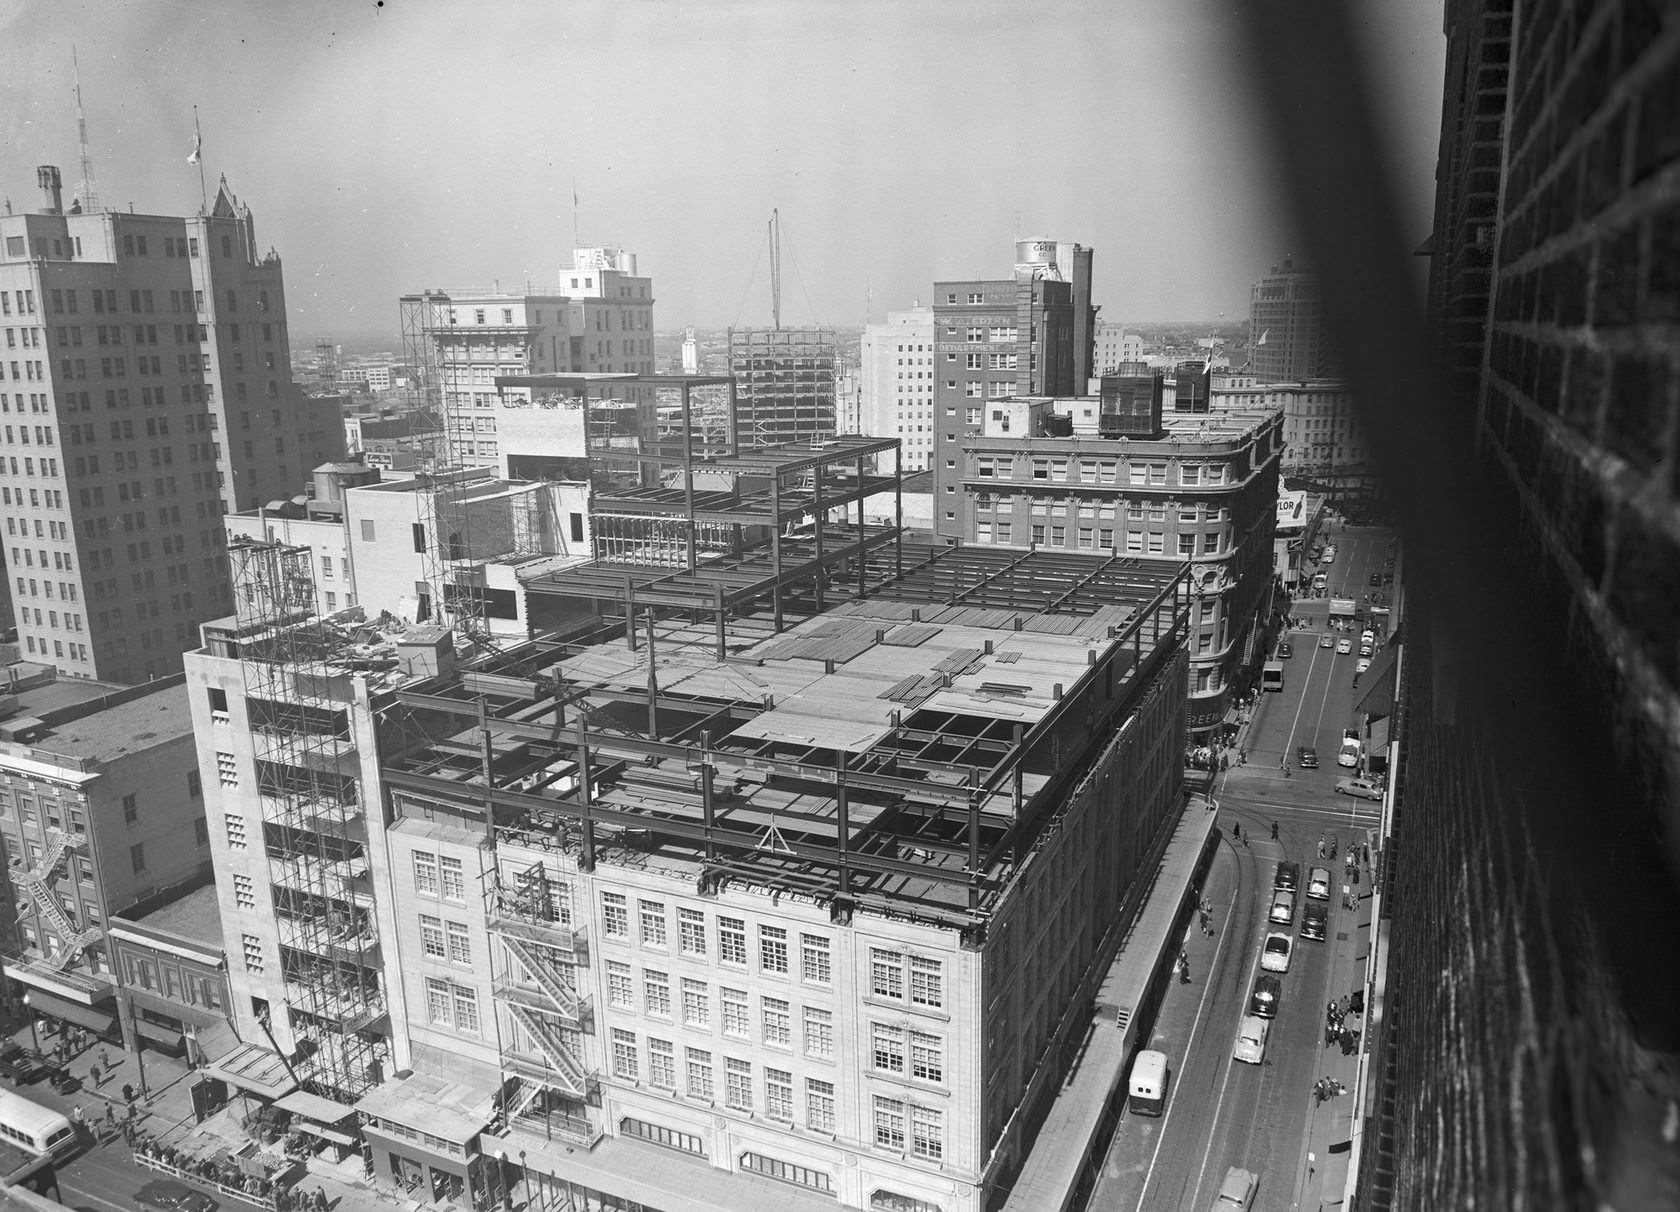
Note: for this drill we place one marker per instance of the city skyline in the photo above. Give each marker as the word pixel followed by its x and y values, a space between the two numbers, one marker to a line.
pixel 679 139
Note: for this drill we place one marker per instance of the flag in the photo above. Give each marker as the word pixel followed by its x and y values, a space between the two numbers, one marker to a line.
pixel 1263 337
pixel 198 142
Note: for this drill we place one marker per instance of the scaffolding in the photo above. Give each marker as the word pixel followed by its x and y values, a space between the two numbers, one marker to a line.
pixel 420 314
pixel 299 696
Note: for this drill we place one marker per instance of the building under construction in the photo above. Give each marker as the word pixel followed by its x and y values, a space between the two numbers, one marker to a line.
pixel 788 847
pixel 784 380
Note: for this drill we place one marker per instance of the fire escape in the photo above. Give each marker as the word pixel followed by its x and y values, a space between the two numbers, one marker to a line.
pixel 38 879
pixel 540 952
pixel 314 831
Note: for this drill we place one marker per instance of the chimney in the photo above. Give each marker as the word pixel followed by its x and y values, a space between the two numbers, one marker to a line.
pixel 52 189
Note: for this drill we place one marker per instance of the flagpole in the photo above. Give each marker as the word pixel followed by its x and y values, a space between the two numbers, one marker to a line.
pixel 575 241
pixel 198 158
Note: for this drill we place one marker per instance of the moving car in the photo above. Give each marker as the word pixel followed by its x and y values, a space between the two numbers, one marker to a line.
pixel 1324 641
pixel 1236 1193
pixel 1344 646
pixel 1284 651
pixel 1264 1001
pixel 1318 884
pixel 1368 789
pixel 1364 664
pixel 1274 955
pixel 1288 877
pixel 169 1195
pixel 1308 757
pixel 1376 578
pixel 1329 555
pixel 1250 1047
pixel 1315 920
pixel 1283 908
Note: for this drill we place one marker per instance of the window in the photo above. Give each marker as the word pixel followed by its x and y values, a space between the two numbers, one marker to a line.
pixel 735 1022
pixel 662 1064
pixel 619 992
pixel 886 974
pixel 244 892
pixel 772 949
pixel 778 1094
pixel 691 931
pixel 656 992
pixel 460 943
pixel 252 948
pixel 814 960
pixel 732 940
pixel 778 1031
pixel 425 873
pixel 131 809
pixel 652 917
pixel 819 1032
pixel 927 982
pixel 699 1073
pixel 431 937
pixel 819 1105
pixel 889 1123
pixel 137 856
pixel 927 1057
pixel 452 879
pixel 887 1047
pixel 737 1088
pixel 615 915
pixel 195 785
pixel 657 1134
pixel 927 1133
pixel 235 830
pixel 696 1006
pixel 624 1054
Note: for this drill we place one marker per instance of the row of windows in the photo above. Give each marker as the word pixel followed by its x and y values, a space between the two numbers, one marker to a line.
pixel 440 876
pixel 773 950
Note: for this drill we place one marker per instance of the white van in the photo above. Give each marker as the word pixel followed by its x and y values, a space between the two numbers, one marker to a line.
pixel 1149 1083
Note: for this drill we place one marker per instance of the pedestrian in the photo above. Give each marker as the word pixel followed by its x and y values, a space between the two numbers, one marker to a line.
pixel 1321 845
pixel 1274 831
pixel 94 1074
pixel 1183 970
pixel 1242 757
pixel 1245 837
pixel 1236 831
pixel 104 1059
pixel 110 1115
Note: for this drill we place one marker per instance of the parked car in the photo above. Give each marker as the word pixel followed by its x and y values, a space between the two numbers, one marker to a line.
pixel 171 1195
pixel 1236 1193
pixel 1274 953
pixel 1250 1047
pixel 1264 1001
pixel 1367 636
pixel 1283 908
pixel 1344 646
pixel 1318 884
pixel 1287 877
pixel 1308 757
pixel 1284 651
pixel 1315 920
pixel 1367 652
pixel 1329 555
pixel 1368 789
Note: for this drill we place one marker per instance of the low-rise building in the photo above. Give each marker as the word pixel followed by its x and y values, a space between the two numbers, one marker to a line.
pixel 167 950
pixel 101 805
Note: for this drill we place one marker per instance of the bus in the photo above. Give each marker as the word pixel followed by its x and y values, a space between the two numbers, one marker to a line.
pixel 1271 676
pixel 34 1127
pixel 1149 1083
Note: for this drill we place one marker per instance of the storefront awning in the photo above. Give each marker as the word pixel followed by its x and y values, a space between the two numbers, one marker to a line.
pixel 337 1138
pixel 313 1106
pixel 95 1020
pixel 163 1037
pixel 255 1069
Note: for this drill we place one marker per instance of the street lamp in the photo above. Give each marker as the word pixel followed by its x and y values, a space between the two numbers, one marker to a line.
pixel 35 1040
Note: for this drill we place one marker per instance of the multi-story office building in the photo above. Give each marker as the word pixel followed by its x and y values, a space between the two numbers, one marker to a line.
pixel 146 390
pixel 1112 347
pixel 784 383
pixel 102 807
pixel 1322 439
pixel 1110 474
pixel 1286 326
pixel 897 380
pixel 1028 335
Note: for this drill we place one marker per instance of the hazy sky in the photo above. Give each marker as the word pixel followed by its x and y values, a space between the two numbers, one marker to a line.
pixel 390 147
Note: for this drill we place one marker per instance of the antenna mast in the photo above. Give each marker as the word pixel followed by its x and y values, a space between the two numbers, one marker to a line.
pixel 89 194
pixel 776 268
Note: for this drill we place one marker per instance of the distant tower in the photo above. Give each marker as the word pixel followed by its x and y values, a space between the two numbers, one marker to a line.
pixel 690 354
pixel 87 192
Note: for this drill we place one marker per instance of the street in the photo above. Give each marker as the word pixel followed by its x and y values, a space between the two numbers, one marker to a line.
pixel 1221 1112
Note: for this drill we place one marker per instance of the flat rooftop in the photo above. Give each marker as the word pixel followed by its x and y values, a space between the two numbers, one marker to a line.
pixel 123 728
pixel 196 916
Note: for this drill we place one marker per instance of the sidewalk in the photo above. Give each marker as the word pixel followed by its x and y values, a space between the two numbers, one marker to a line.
pixel 1323 1176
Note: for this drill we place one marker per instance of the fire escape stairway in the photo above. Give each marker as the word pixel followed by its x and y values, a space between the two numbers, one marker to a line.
pixel 573 1080
pixel 38 880
pixel 559 992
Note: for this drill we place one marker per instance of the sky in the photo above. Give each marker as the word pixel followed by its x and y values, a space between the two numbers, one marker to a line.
pixel 390 147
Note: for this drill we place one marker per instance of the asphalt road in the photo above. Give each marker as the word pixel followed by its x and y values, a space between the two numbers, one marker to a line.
pixel 1222 1112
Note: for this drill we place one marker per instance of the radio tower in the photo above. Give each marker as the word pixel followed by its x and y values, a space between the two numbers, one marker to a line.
pixel 88 193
